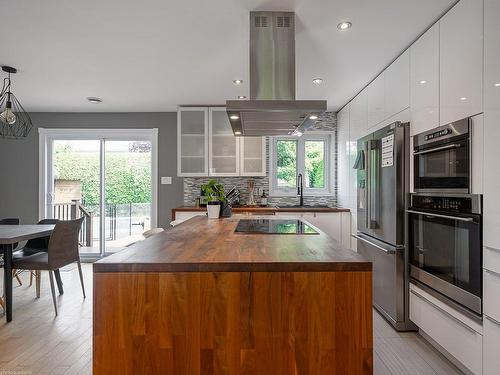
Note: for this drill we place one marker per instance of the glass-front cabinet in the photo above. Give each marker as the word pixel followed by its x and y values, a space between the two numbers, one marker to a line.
pixel 223 145
pixel 253 156
pixel 206 146
pixel 192 141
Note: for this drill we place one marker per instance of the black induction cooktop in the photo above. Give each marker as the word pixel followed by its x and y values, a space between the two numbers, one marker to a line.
pixel 274 226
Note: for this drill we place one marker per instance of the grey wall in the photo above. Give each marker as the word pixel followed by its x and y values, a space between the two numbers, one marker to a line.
pixel 19 159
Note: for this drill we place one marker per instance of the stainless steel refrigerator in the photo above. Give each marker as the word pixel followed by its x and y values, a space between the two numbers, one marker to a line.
pixel 383 169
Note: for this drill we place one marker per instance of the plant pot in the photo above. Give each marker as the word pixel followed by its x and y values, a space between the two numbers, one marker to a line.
pixel 213 209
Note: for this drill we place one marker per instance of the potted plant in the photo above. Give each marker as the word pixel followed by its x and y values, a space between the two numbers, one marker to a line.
pixel 214 192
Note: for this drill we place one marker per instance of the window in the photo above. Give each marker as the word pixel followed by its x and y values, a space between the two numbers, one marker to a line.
pixel 309 156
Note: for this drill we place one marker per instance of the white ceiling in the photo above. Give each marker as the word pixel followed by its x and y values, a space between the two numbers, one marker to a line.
pixel 153 55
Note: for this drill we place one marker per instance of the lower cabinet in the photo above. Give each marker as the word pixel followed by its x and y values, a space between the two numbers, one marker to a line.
pixel 491 345
pixel 456 333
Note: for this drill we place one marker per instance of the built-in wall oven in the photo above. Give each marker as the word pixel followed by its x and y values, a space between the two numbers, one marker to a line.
pixel 442 159
pixel 445 246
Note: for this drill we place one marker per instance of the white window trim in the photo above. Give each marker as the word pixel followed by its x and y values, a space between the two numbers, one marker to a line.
pixel 275 191
pixel 47 136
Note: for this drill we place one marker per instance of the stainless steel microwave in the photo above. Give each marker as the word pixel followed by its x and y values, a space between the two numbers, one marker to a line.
pixel 442 159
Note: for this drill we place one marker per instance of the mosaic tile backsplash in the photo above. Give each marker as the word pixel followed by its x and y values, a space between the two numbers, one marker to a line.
pixel 192 185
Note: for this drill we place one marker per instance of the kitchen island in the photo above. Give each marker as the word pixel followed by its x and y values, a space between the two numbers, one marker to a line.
pixel 202 299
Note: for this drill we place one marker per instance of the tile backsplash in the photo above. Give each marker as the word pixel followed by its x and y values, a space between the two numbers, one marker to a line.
pixel 192 185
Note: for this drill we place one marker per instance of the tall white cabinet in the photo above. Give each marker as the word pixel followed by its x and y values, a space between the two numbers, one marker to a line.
pixel 343 156
pixel 491 226
pixel 461 61
pixel 397 85
pixel 206 146
pixel 424 82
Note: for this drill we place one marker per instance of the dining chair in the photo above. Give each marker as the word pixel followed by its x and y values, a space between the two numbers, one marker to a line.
pixel 37 245
pixel 8 221
pixel 11 221
pixel 62 250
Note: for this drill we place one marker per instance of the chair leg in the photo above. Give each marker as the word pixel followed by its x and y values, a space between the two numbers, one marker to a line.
pixel 38 279
pixel 81 277
pixel 15 274
pixel 31 278
pixel 51 277
pixel 2 303
pixel 59 282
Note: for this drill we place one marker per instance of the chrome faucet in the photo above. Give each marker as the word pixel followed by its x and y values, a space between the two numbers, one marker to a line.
pixel 300 189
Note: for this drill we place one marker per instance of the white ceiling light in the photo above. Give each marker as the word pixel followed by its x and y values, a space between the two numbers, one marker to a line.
pixel 318 81
pixel 313 117
pixel 463 98
pixel 234 117
pixel 497 84
pixel 94 99
pixel 423 82
pixel 238 81
pixel 344 25
pixel 242 97
pixel 237 132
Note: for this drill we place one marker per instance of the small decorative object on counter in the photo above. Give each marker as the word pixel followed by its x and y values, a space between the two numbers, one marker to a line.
pixel 214 192
pixel 263 199
pixel 203 197
pixel 197 202
pixel 251 199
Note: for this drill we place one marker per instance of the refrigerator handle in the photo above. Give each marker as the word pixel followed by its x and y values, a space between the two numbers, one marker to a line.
pixel 375 184
pixel 368 213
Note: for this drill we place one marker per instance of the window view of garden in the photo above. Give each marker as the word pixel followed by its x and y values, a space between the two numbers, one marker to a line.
pixel 287 152
pixel 127 183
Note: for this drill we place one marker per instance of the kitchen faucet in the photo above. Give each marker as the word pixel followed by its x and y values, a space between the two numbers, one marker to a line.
pixel 300 189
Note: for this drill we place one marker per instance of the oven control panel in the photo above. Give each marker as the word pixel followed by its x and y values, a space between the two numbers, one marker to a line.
pixel 438 134
pixel 470 203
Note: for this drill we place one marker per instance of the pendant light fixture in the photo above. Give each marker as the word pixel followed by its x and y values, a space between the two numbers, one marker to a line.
pixel 15 122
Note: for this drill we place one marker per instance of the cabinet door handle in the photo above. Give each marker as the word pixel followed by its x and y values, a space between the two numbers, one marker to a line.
pixel 494 321
pixel 493 249
pixel 428 214
pixel 492 272
pixel 443 311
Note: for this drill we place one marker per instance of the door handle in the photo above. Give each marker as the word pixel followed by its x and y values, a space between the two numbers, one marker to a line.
pixel 368 203
pixel 442 148
pixel 465 219
pixel 374 245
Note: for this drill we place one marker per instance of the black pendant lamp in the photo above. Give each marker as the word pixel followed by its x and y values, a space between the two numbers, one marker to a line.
pixel 15 122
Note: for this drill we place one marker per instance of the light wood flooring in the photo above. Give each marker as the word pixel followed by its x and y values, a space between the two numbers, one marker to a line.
pixel 38 343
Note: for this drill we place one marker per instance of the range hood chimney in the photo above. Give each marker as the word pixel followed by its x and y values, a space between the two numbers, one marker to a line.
pixel 272 108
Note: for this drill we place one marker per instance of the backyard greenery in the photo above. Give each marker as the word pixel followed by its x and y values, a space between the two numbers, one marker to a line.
pixel 314 163
pixel 128 174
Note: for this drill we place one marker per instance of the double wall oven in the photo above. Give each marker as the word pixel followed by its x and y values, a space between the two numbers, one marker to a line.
pixel 444 219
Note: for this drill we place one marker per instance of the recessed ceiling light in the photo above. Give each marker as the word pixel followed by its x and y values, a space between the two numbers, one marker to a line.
pixel 237 132
pixel 297 133
pixel 344 25
pixel 497 84
pixel 463 98
pixel 318 81
pixel 234 117
pixel 238 81
pixel 94 99
pixel 242 97
pixel 423 82
pixel 313 117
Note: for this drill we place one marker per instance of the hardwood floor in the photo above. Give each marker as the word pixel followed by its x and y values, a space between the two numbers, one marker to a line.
pixel 38 343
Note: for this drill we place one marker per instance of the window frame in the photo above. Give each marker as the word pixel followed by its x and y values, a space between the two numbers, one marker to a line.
pixel 275 190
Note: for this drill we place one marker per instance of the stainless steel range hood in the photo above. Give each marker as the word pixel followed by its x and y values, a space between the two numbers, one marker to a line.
pixel 272 108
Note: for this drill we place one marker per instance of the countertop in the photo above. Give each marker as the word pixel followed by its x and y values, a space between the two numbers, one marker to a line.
pixel 268 209
pixel 211 245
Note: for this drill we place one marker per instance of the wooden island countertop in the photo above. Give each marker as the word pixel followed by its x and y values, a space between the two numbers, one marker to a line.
pixel 199 299
pixel 204 245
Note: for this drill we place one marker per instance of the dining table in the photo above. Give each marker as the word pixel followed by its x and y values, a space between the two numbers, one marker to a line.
pixel 10 236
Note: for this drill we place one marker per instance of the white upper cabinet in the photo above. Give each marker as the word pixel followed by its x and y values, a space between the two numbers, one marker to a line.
pixel 491 123
pixel 376 100
pixel 192 141
pixel 461 61
pixel 397 85
pixel 252 156
pixel 343 156
pixel 424 81
pixel 359 115
pixel 223 145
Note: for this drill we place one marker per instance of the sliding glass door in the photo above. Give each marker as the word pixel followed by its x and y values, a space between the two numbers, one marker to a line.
pixel 108 179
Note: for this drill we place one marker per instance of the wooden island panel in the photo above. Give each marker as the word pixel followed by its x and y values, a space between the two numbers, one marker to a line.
pixel 233 323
